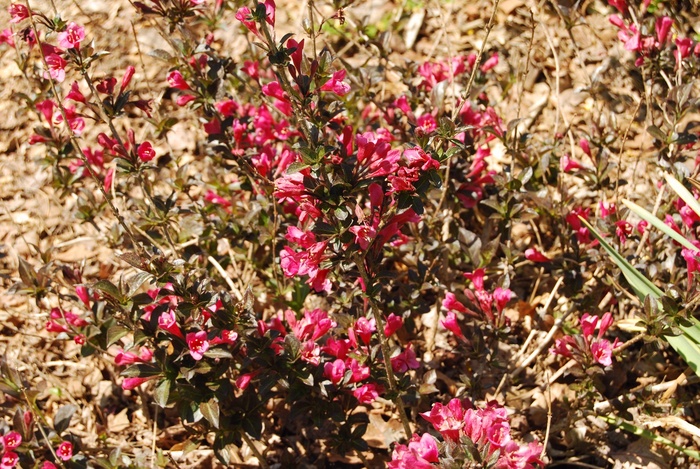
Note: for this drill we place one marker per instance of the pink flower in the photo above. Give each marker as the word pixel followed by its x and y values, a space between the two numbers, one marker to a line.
pixel 11 440
pixel 6 37
pixel 334 370
pixel 126 79
pixel 393 324
pixel 621 5
pixel 567 164
pixel 65 451
pixel 366 393
pixel 244 16
pixel 602 352
pixel 450 323
pixel 419 454
pixel 56 66
pixel 131 383
pixel 364 235
pixel 9 460
pixel 243 381
pixel 72 36
pixel 364 328
pixel 534 255
pixel 146 151
pixel 662 26
pixel 451 303
pixel 490 63
pixel 168 322
pixel 623 230
pixel 448 420
pixel 177 81
pixel 75 94
pixel 405 360
pixel 682 51
pixel 83 294
pixel 336 85
pixel 477 278
pixel 606 208
pixel 184 99
pixel 270 8
pixel 274 90
pixel 18 12
pixel 53 326
pixel 198 344
pixel 585 146
pixel 227 337
pixel 502 296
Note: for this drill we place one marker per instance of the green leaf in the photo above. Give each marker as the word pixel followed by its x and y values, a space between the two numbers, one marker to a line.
pixel 115 333
pixel 210 410
pixel 641 285
pixel 107 287
pixel 61 420
pixel 648 216
pixel 635 430
pixel 26 273
pixel 162 392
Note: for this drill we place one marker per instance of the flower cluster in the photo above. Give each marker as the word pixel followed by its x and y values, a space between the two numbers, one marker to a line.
pixel 471 435
pixel 588 348
pixel 483 304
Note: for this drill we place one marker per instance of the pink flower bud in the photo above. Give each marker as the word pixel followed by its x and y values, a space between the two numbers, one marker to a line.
pixel 534 255
pixel 126 79
pixel 393 324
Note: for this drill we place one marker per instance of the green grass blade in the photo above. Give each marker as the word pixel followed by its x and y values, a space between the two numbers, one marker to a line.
pixel 683 193
pixel 647 216
pixel 641 285
pixel 687 349
pixel 631 428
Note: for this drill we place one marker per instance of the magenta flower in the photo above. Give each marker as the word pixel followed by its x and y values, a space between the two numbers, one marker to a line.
pixel 448 420
pixel 9 460
pixel 243 15
pixel 334 370
pixel 198 344
pixel 72 36
pixel 585 146
pixel 131 383
pixel 367 393
pixel 490 63
pixel 662 26
pixel 65 451
pixel 534 255
pixel 393 324
pixel 336 85
pixel 6 37
pixel 567 164
pixel 11 440
pixel 126 79
pixel 168 322
pixel 364 328
pixel 177 81
pixel 405 360
pixel 450 323
pixel 146 152
pixel 18 12
pixel 57 67
pixel 602 352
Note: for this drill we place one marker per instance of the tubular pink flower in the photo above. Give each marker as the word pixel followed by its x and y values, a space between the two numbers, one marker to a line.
pixel 131 383
pixel 602 352
pixel 168 322
pixel 450 323
pixel 177 81
pixel 534 255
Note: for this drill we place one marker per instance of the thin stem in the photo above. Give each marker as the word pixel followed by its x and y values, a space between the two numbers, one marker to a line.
pixel 359 261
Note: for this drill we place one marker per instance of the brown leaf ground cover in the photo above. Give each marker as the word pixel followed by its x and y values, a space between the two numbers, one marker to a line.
pixel 562 72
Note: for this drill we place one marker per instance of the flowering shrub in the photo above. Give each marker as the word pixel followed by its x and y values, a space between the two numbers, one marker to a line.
pixel 284 280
